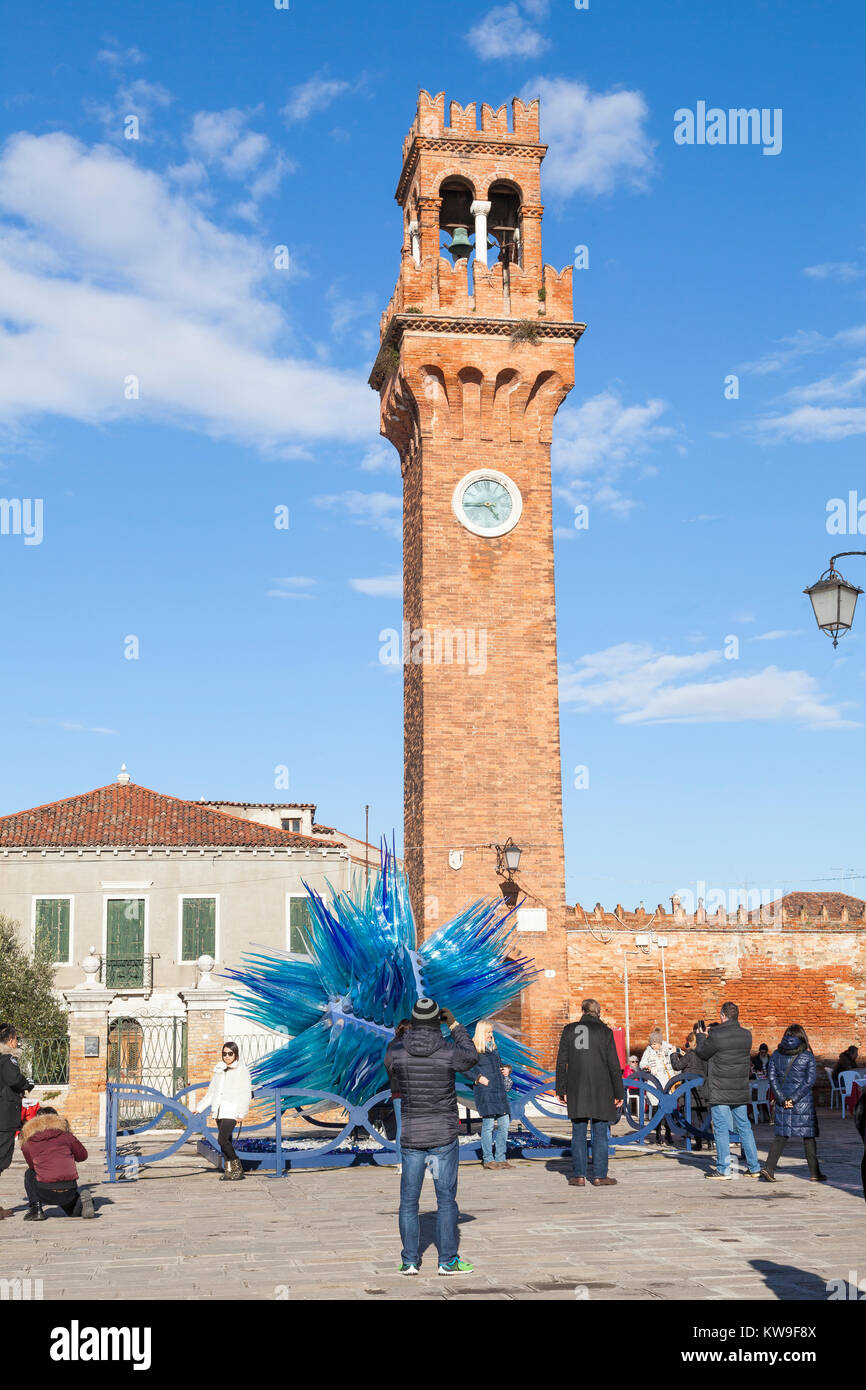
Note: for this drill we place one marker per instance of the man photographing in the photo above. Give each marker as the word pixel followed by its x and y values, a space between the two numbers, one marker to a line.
pixel 422 1065
pixel 13 1085
pixel 727 1050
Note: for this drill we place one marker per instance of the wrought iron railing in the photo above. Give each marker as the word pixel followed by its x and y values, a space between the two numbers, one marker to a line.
pixel 46 1060
pixel 127 972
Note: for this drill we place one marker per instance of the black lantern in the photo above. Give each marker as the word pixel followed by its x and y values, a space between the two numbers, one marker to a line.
pixel 507 857
pixel 834 600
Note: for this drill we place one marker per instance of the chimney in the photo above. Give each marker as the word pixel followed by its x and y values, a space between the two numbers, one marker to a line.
pixel 123 776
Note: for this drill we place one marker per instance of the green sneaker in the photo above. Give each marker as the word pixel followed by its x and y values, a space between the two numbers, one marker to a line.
pixel 408 1269
pixel 457 1266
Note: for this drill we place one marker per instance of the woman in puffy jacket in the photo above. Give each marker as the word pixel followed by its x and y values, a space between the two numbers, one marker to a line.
pixel 228 1096
pixel 490 1097
pixel 792 1072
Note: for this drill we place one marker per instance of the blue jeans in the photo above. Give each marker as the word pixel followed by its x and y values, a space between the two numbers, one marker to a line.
pixel 726 1118
pixel 494 1136
pixel 600 1132
pixel 442 1162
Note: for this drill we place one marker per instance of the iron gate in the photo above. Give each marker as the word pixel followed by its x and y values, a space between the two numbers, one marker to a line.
pixel 146 1052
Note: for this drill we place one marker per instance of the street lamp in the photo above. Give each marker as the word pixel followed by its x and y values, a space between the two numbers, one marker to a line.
pixel 507 858
pixel 834 599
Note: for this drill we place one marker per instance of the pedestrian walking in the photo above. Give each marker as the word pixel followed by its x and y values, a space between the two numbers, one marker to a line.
pixel 793 1072
pixel 13 1085
pixel 491 1098
pixel 727 1048
pixel 422 1066
pixel 589 1082
pixel 657 1059
pixel 229 1096
pixel 51 1152
pixel 689 1061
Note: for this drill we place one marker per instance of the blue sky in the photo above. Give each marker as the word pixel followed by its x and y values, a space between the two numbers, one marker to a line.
pixel 258 648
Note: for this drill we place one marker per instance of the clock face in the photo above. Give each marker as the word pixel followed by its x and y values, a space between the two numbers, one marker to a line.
pixel 487 502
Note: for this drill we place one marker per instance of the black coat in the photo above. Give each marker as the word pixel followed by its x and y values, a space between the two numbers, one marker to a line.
pixel 690 1061
pixel 727 1050
pixel 588 1072
pixel 13 1084
pixel 491 1099
pixel 792 1075
pixel 422 1065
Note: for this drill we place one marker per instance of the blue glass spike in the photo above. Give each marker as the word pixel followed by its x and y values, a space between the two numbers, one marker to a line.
pixel 340 1007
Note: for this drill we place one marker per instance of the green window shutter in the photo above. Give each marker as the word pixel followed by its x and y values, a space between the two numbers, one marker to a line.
pixel 198 936
pixel 125 943
pixel 299 926
pixel 52 928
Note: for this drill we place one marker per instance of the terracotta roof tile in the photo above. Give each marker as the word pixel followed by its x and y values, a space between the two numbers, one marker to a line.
pixel 123 814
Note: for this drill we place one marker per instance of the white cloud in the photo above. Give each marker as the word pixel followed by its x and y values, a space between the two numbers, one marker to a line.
pixel 504 33
pixel 644 686
pixel 115 56
pixel 811 424
pixel 595 442
pixel 316 94
pixel 843 386
pixel 223 140
pixel 381 510
pixel 385 586
pixel 381 457
pixel 804 343
pixel 83 728
pixel 776 634
pixel 113 274
pixel 598 140
pixel 834 270
pixel 294 587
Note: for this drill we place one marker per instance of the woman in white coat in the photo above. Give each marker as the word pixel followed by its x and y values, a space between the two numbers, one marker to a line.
pixel 228 1095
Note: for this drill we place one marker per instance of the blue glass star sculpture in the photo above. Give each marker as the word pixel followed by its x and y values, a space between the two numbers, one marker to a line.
pixel 339 1008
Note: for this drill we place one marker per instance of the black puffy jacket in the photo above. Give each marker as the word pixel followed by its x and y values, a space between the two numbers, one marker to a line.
pixel 422 1065
pixel 13 1085
pixel 727 1050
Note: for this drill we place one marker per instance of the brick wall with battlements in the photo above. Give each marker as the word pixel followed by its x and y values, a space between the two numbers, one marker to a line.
pixel 800 960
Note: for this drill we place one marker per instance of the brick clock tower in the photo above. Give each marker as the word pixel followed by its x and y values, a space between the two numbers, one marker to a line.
pixel 477 354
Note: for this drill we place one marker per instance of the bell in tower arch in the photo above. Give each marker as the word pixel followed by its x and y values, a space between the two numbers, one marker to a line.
pixel 461 247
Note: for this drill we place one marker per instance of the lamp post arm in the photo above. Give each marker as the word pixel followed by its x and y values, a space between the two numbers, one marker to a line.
pixel 843 553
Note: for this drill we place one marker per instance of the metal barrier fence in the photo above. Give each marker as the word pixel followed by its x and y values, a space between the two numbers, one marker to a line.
pixel 337 1149
pixel 46 1060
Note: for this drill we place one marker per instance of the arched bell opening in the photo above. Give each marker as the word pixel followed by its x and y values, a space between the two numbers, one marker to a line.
pixel 504 221
pixel 456 220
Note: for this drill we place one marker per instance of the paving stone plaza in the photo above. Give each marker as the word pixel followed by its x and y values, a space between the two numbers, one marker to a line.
pixel 663 1233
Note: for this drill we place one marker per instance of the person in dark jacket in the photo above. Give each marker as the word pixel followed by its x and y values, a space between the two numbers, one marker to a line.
pixel 422 1065
pixel 689 1061
pixel 727 1051
pixel 50 1151
pixel 793 1072
pixel 860 1122
pixel 589 1083
pixel 847 1061
pixel 13 1085
pixel 490 1098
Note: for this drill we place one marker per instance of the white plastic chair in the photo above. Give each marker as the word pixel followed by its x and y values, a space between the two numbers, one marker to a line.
pixel 847 1081
pixel 835 1088
pixel 760 1099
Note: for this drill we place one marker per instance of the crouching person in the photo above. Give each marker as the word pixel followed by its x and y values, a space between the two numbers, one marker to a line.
pixel 50 1151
